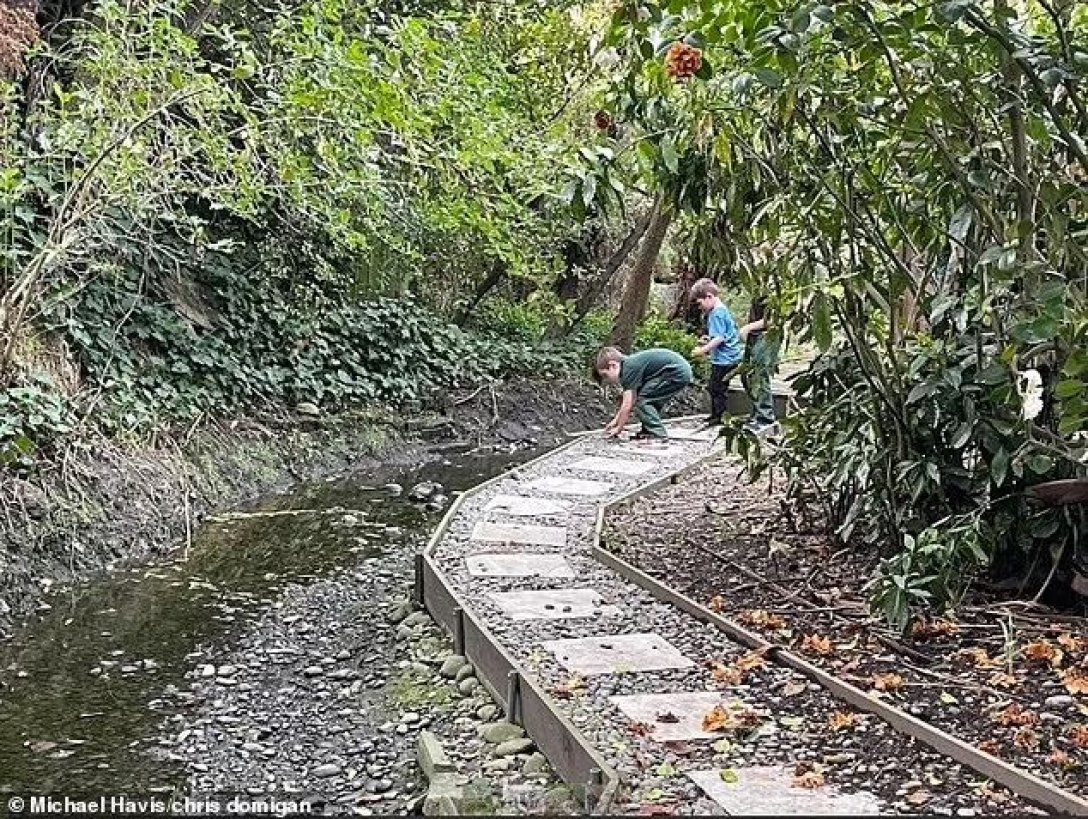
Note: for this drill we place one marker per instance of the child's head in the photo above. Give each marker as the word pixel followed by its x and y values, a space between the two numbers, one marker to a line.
pixel 705 293
pixel 608 365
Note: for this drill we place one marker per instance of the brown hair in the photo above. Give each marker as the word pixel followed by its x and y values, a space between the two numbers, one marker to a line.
pixel 606 356
pixel 703 288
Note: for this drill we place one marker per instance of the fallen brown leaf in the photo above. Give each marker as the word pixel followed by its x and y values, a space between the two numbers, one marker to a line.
pixel 923 630
pixel 841 720
pixel 1017 715
pixel 1075 681
pixel 976 657
pixel 817 644
pixel 1060 759
pixel 812 779
pixel 990 746
pixel 727 674
pixel 751 661
pixel 887 682
pixel 792 689
pixel 1074 645
pixel 719 719
pixel 717 603
pixel 762 619
pixel 999 679
pixel 1026 739
pixel 1042 652
pixel 1079 736
pixel 641 729
pixel 667 716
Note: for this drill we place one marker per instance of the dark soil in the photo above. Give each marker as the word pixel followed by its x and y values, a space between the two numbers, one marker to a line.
pixel 1011 680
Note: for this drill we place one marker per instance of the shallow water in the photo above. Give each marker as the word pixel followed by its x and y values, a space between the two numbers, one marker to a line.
pixel 85 687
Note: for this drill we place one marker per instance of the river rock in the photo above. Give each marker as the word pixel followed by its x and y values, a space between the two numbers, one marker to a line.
pixel 513 747
pixel 326 770
pixel 416 618
pixel 464 672
pixel 499 732
pixel 308 408
pixel 424 491
pixel 451 665
pixel 487 712
pixel 400 611
pixel 467 686
pixel 537 763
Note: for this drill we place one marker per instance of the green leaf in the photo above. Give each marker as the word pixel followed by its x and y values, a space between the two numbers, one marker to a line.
pixel 769 77
pixel 1069 388
pixel 962 435
pixel 729 776
pixel 823 13
pixel 802 19
pixel 668 155
pixel 999 466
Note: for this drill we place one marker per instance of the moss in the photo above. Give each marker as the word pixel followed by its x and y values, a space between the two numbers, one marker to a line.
pixel 410 690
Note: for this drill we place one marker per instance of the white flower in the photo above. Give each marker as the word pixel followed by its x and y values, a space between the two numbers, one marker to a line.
pixel 1030 387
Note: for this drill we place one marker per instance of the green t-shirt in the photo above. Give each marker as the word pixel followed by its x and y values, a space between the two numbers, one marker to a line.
pixel 638 368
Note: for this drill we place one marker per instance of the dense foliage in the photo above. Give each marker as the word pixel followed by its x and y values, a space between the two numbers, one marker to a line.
pixel 209 209
pixel 907 182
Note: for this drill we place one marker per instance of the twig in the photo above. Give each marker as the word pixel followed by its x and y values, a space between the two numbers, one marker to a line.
pixel 465 400
pixel 953 682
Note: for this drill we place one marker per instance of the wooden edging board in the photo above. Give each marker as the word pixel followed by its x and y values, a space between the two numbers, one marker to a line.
pixel 566 748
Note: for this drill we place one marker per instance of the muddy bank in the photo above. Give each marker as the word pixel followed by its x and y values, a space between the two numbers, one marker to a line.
pixel 105 505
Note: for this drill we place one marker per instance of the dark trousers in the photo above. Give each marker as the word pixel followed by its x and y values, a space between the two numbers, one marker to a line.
pixel 720 376
pixel 651 399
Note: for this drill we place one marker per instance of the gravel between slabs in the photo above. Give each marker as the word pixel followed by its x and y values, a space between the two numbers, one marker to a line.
pixel 788 717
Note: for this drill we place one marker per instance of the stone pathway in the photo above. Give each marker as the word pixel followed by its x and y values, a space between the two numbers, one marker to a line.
pixel 641 679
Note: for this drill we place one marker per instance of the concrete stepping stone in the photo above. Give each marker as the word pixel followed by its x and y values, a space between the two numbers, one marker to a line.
pixel 617 654
pixel 554 604
pixel 520 533
pixel 525 506
pixel 769 791
pixel 684 713
pixel 615 466
pixel 659 449
pixel 569 486
pixel 496 564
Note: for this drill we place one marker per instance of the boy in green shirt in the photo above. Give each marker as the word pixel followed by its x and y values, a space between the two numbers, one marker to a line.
pixel 649 379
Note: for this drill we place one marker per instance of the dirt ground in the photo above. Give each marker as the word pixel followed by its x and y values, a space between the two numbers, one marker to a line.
pixel 1010 678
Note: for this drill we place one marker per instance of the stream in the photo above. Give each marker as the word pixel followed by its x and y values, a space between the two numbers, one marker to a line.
pixel 88 688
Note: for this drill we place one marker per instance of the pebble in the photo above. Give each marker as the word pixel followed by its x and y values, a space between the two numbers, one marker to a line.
pixel 313 671
pixel 1060 701
pixel 465 672
pixel 535 764
pixel 498 732
pixel 486 713
pixel 326 770
pixel 467 686
pixel 451 665
pixel 513 747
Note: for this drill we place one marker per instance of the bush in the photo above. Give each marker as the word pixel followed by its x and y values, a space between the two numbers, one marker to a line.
pixel 657 332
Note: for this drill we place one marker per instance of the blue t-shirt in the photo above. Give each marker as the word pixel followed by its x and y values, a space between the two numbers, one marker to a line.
pixel 720 324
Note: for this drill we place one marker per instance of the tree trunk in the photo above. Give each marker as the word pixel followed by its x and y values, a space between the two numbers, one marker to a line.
pixel 489 283
pixel 638 282
pixel 615 262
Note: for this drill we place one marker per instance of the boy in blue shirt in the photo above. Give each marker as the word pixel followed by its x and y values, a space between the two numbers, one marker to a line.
pixel 722 344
